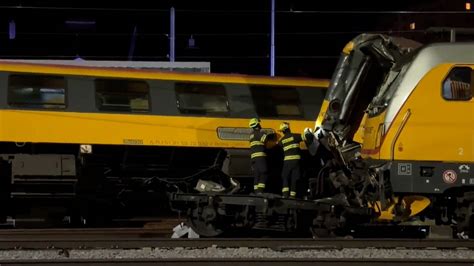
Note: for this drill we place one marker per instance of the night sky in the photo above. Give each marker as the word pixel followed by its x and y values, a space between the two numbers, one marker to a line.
pixel 233 35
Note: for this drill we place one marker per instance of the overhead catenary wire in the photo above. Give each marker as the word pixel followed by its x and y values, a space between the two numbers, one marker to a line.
pixel 216 34
pixel 149 11
pixel 224 57
pixel 220 11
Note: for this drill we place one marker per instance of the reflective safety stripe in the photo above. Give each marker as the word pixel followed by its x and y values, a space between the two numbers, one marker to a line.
pixel 257 154
pixel 255 143
pixel 287 140
pixel 285 189
pixel 255 187
pixel 292 157
pixel 291 146
pixel 262 139
pixel 292 193
pixel 261 185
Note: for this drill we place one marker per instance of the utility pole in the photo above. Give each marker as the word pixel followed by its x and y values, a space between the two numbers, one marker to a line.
pixel 172 34
pixel 131 51
pixel 272 41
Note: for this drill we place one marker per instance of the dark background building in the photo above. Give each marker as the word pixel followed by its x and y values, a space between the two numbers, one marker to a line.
pixel 233 35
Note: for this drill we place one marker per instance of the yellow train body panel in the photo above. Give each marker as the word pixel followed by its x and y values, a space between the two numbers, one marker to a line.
pixel 435 130
pixel 115 129
pixel 359 135
pixel 153 74
pixel 416 204
pixel 97 127
pixel 373 135
pixel 322 113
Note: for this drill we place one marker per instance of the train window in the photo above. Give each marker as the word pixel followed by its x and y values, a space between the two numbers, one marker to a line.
pixel 118 95
pixel 201 98
pixel 276 101
pixel 37 91
pixel 457 86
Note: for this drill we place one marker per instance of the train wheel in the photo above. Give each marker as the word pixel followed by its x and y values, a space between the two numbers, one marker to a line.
pixel 205 222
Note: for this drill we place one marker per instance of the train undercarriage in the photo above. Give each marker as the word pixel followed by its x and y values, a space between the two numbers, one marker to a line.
pixel 338 192
pixel 217 215
pixel 215 192
pixel 91 185
pixel 334 204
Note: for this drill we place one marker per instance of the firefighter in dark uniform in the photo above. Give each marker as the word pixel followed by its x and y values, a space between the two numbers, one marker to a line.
pixel 291 162
pixel 258 139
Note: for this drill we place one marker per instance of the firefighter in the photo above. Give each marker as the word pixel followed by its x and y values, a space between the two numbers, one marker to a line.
pixel 291 162
pixel 258 139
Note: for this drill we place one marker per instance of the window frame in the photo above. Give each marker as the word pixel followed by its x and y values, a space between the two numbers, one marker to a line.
pixel 100 107
pixel 222 89
pixel 38 106
pixel 471 86
pixel 270 95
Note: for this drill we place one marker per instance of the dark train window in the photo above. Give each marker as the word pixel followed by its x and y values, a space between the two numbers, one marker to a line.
pixel 201 98
pixel 458 86
pixel 118 95
pixel 37 91
pixel 276 101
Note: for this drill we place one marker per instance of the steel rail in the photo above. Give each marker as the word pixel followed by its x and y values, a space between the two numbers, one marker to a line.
pixel 139 238
pixel 248 262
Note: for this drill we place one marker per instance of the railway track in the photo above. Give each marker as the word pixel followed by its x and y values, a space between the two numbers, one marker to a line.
pixel 249 262
pixel 65 241
pixel 127 238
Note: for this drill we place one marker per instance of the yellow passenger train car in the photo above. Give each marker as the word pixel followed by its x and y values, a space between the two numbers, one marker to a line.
pixel 69 130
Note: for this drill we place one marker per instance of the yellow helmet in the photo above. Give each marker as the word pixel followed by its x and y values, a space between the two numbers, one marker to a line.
pixel 284 126
pixel 254 122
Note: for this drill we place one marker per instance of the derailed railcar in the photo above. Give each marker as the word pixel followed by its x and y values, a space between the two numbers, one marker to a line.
pixel 93 140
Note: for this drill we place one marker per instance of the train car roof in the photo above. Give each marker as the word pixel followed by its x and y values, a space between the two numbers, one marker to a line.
pixel 180 66
pixel 109 72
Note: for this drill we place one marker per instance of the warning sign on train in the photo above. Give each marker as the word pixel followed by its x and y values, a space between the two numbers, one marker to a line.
pixel 449 176
pixel 464 169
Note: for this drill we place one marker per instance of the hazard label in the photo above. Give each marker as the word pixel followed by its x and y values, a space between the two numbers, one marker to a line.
pixel 449 176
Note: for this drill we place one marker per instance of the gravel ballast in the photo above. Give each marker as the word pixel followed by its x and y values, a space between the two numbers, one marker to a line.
pixel 214 252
